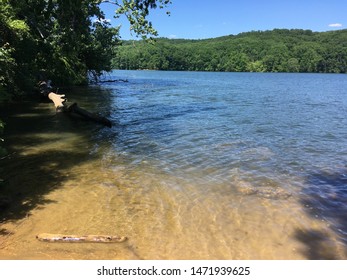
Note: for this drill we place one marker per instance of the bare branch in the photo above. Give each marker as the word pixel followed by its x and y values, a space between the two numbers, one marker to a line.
pixel 110 2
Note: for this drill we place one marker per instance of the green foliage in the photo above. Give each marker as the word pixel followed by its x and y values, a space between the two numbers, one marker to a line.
pixel 136 12
pixel 12 33
pixel 61 40
pixel 279 50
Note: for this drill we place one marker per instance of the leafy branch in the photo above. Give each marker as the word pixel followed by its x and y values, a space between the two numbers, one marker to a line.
pixel 137 11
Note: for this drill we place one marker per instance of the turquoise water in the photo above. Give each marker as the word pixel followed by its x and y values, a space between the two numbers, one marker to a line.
pixel 266 125
pixel 202 165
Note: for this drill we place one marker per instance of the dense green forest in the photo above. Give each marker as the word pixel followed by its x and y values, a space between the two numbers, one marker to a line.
pixel 62 40
pixel 279 50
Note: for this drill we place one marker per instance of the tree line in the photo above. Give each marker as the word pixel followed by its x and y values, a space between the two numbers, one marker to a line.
pixel 279 50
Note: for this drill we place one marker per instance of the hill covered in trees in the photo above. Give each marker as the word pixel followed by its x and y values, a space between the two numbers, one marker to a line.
pixel 279 50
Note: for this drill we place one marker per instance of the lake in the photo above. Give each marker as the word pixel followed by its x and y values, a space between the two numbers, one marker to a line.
pixel 197 165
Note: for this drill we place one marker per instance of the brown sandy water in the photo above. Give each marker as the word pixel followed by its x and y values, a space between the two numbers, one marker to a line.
pixel 63 179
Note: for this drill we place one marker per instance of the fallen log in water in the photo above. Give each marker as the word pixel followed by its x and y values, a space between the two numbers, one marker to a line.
pixel 113 81
pixel 49 237
pixel 73 108
pixel 59 101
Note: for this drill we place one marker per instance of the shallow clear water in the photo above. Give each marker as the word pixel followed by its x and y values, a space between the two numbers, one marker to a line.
pixel 197 165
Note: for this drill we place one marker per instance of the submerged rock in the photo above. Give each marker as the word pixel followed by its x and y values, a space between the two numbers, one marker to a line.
pixel 269 192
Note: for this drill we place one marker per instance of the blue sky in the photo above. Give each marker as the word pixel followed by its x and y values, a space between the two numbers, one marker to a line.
pixel 199 19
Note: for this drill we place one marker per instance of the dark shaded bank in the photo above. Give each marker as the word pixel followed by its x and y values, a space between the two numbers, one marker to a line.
pixel 42 147
pixel 325 198
pixel 29 175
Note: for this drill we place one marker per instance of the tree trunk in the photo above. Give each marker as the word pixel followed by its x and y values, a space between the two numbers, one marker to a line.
pixel 73 108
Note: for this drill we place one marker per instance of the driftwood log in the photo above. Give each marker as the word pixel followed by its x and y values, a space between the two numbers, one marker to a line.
pixel 73 108
pixel 58 100
pixel 113 81
pixel 61 105
pixel 48 237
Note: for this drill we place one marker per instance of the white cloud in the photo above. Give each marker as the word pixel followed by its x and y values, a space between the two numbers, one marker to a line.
pixel 172 36
pixel 335 25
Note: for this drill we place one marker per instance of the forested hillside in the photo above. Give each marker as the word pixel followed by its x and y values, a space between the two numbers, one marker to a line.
pixel 279 50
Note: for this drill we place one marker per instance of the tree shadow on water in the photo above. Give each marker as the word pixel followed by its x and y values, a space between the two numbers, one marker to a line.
pixel 325 198
pixel 39 160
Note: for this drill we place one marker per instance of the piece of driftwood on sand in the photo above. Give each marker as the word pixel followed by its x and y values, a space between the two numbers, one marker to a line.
pixel 49 237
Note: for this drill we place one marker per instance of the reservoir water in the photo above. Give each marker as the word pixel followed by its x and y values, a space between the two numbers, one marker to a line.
pixel 197 165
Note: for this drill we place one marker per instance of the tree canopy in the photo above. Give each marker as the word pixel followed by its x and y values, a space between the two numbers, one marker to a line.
pixel 62 40
pixel 279 50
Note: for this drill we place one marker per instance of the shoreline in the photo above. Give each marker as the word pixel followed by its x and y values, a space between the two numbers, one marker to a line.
pixel 224 197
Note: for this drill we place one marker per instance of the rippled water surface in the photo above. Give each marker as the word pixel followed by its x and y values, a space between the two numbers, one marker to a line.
pixel 196 166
